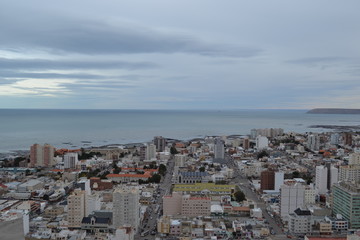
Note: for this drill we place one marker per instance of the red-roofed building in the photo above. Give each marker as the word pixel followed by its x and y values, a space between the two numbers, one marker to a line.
pixel 98 184
pixel 127 177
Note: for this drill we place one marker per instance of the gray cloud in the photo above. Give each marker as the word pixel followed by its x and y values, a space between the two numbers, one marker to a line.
pixel 312 61
pixel 38 64
pixel 107 86
pixel 14 75
pixel 97 37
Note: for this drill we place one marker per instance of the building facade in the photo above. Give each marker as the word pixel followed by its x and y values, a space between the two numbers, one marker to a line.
pixel 292 196
pixel 76 208
pixel 346 201
pixel 126 207
pixel 41 155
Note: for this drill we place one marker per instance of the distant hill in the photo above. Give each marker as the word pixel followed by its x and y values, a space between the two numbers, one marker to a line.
pixel 334 111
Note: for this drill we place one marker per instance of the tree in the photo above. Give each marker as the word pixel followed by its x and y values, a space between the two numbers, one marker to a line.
pixel 173 150
pixel 239 196
pixel 117 170
pixel 202 169
pixel 296 174
pixel 153 165
pixel 162 169
pixel 262 154
pixel 155 178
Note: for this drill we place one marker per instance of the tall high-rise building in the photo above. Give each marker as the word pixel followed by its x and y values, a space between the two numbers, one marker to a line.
pixel 150 151
pixel 142 152
pixel 126 207
pixel 180 160
pixel 335 139
pixel 346 201
pixel 313 142
pixel 321 179
pixel 76 208
pixel 348 139
pixel 160 143
pixel 246 143
pixel 70 160
pixel 279 180
pixel 292 196
pixel 351 172
pixel 219 148
pixel 41 156
pixel 261 142
pixel 326 176
pixel 267 180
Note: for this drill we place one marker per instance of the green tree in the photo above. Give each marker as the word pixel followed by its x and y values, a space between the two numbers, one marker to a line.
pixel 156 178
pixel 239 196
pixel 117 170
pixel 202 169
pixel 262 154
pixel 153 165
pixel 173 150
pixel 295 174
pixel 162 169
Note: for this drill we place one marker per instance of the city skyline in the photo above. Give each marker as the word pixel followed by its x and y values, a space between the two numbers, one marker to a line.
pixel 179 55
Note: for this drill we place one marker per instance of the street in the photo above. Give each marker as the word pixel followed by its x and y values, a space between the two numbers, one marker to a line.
pixel 245 187
pixel 149 225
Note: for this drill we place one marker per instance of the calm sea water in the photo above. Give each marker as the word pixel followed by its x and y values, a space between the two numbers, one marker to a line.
pixel 81 128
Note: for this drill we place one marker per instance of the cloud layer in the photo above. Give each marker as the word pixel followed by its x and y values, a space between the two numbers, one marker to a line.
pixel 179 55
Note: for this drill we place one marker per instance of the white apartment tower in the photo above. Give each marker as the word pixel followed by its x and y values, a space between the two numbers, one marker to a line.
pixel 219 148
pixel 279 180
pixel 313 142
pixel 261 142
pixel 292 196
pixel 150 151
pixel 321 179
pixel 126 207
pixel 180 160
pixel 70 160
pixel 335 139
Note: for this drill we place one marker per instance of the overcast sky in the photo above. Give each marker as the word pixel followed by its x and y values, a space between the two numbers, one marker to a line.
pixel 185 54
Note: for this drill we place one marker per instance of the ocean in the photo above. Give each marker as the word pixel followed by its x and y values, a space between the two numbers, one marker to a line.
pixel 20 128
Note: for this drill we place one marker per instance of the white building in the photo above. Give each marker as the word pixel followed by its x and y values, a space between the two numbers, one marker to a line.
pixel 279 180
pixel 335 139
pixel 313 142
pixel 218 177
pixel 262 142
pixel 354 159
pixel 150 151
pixel 93 203
pixel 309 195
pixel 321 179
pixel 126 207
pixel 180 160
pixel 334 175
pixel 300 222
pixel 292 196
pixel 70 160
pixel 124 233
pixel 219 148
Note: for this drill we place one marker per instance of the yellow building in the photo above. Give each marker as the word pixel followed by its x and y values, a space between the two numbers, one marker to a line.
pixel 205 188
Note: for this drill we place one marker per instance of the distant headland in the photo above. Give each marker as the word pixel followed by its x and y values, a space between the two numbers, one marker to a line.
pixel 334 111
